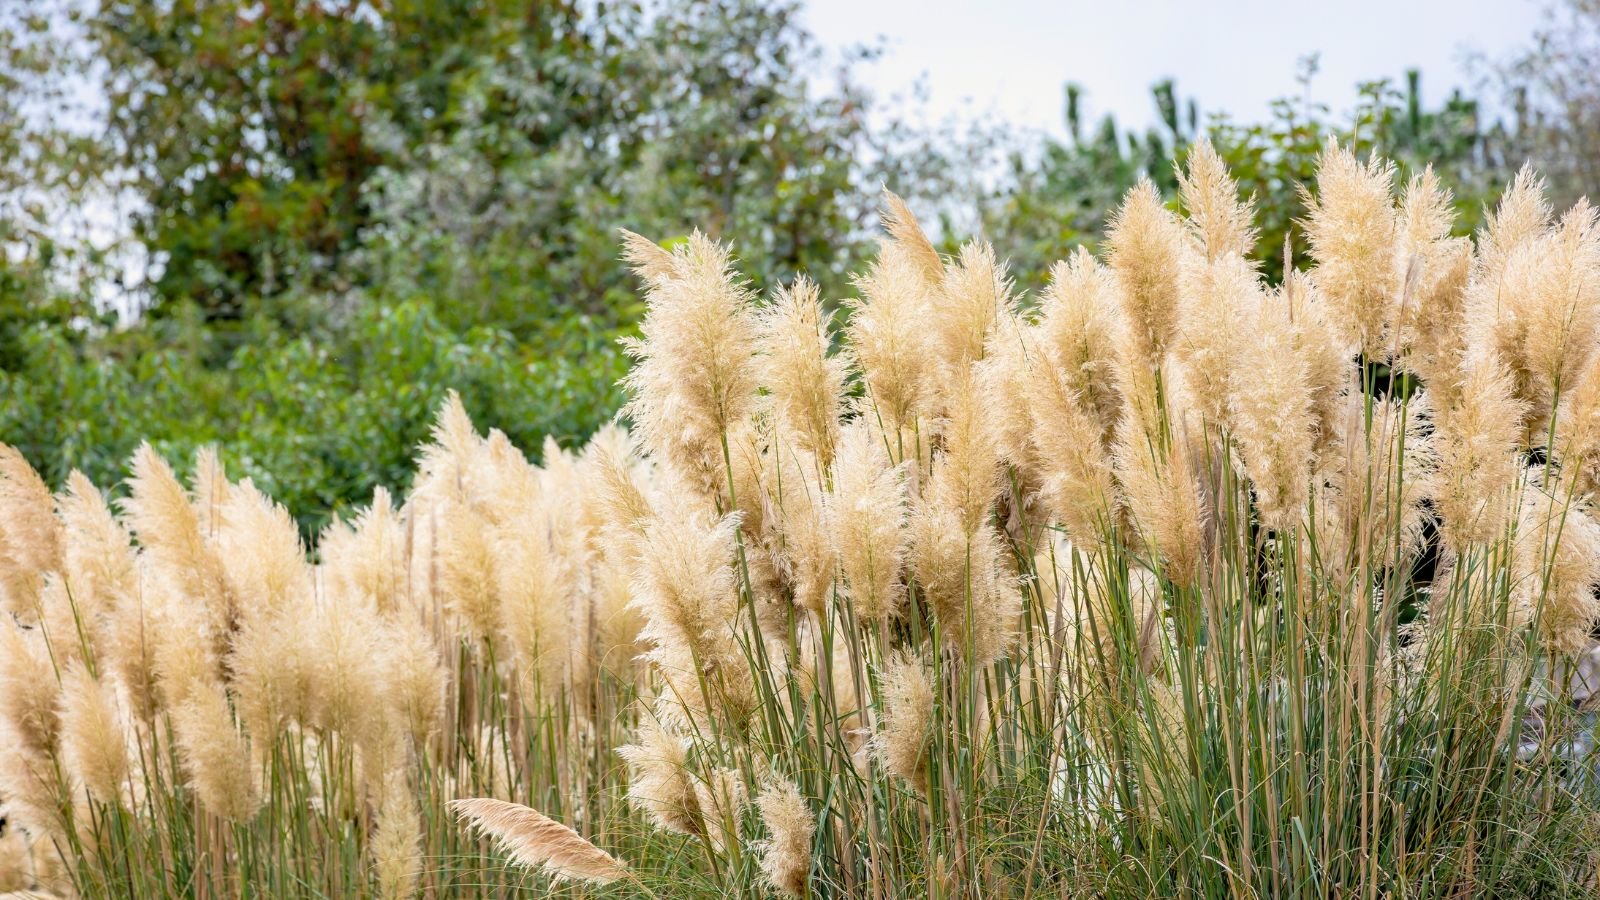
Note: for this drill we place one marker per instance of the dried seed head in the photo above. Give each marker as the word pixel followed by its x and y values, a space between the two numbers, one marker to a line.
pixel 695 376
pixel 536 841
pixel 93 736
pixel 1145 242
pixel 786 854
pixel 908 712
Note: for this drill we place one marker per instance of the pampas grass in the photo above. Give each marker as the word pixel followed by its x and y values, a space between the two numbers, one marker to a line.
pixel 539 842
pixel 1166 582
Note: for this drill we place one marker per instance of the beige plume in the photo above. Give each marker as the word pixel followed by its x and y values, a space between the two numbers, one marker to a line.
pixel 536 841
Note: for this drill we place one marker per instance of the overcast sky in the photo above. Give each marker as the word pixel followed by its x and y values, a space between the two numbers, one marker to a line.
pixel 1012 57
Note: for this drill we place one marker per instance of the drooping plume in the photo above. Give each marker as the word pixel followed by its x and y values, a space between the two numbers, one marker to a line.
pixel 535 840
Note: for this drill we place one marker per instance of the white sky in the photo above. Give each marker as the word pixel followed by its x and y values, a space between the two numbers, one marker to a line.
pixel 1011 58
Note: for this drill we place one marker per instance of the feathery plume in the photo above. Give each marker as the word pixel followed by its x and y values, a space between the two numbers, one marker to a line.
pixel 1564 312
pixel 972 299
pixel 901 744
pixel 1352 229
pixel 30 535
pixel 868 512
pixel 416 679
pixel 215 755
pixel 660 782
pixel 364 563
pixel 686 590
pixel 1163 499
pixel 272 673
pixel 1516 289
pixel 347 668
pixel 397 842
pixel 97 557
pixel 1478 465
pixel 963 582
pixel 93 737
pixel 1002 382
pixel 890 341
pixel 786 854
pixel 1144 243
pixel 1523 212
pixel 1080 334
pixel 1555 568
pixel 537 841
pixel 1330 376
pixel 1070 420
pixel 265 569
pixel 1273 419
pixel 466 568
pixel 617 621
pixel 966 479
pixel 1577 430
pixel 448 462
pixel 907 235
pixel 28 689
pixel 168 528
pixel 647 259
pixel 801 510
pixel 1433 314
pixel 211 490
pixel 807 384
pixel 535 601
pixel 1216 301
pixel 694 376
pixel 1219 221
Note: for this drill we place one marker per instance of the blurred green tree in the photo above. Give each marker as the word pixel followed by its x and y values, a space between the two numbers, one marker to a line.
pixel 1060 200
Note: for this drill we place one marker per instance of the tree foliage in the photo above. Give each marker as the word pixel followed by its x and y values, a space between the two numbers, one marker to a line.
pixel 1057 202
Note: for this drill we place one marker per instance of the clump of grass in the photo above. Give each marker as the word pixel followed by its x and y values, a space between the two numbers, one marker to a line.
pixel 1168 582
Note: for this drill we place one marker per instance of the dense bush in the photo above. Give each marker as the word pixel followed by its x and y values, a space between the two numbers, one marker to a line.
pixel 317 419
pixel 386 203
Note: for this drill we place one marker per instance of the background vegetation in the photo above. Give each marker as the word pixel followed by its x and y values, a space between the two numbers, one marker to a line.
pixel 325 215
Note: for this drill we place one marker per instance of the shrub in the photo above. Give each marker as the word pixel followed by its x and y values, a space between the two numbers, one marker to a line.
pixel 1153 587
pixel 318 420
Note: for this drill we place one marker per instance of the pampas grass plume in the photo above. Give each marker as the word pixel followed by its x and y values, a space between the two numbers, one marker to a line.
pixel 807 384
pixel 215 755
pixel 536 841
pixel 786 854
pixel 93 736
pixel 902 742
